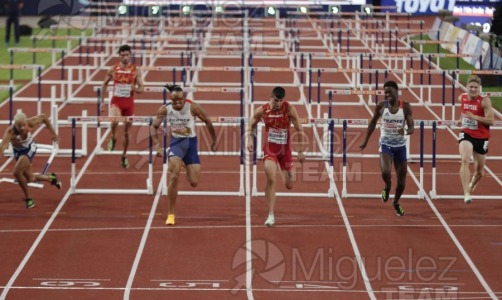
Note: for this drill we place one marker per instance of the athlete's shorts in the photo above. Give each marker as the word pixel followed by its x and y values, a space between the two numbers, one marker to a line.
pixel 479 146
pixel 283 158
pixel 29 152
pixel 125 105
pixel 397 153
pixel 184 148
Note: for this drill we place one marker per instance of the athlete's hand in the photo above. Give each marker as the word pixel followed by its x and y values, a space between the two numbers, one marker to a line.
pixel 301 156
pixel 160 150
pixel 250 145
pixel 214 146
pixel 470 115
pixel 363 145
pixel 102 107
pixel 55 138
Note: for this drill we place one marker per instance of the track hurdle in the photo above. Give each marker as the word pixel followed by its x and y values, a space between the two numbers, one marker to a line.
pixel 433 192
pixel 53 51
pixel 222 122
pixel 345 155
pixel 75 179
pixel 11 67
pixel 328 160
pixel 37 185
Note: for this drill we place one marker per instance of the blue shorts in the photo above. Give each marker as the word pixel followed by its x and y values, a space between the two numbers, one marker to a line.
pixel 29 152
pixel 397 153
pixel 186 149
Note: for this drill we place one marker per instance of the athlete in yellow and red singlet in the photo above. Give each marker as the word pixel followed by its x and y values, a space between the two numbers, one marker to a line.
pixel 278 115
pixel 126 81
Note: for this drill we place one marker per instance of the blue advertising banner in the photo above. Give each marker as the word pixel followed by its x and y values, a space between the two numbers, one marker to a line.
pixel 420 7
pixel 477 13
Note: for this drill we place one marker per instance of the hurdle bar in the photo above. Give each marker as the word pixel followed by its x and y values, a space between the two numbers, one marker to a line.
pixel 53 51
pixel 56 123
pixel 346 194
pixel 445 124
pixel 5 87
pixel 189 89
pixel 13 67
pixel 74 180
pixel 358 92
pixel 86 120
pixel 36 185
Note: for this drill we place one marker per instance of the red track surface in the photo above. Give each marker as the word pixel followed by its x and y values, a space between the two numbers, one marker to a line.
pixel 117 247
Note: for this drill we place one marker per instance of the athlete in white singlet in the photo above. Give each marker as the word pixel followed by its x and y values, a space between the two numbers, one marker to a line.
pixel 395 115
pixel 181 114
pixel 24 147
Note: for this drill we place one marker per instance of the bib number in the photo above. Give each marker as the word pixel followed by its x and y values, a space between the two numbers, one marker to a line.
pixel 469 124
pixel 122 90
pixel 278 136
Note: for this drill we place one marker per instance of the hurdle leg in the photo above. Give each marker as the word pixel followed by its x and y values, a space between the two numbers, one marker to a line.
pixel 433 192
pixel 164 179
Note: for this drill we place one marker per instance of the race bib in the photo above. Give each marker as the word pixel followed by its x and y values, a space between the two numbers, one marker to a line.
pixel 278 136
pixel 181 130
pixel 392 128
pixel 122 90
pixel 469 124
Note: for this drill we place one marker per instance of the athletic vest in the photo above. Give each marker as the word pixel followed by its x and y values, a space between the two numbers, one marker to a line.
pixel 389 130
pixel 277 124
pixel 472 127
pixel 17 141
pixel 123 79
pixel 182 122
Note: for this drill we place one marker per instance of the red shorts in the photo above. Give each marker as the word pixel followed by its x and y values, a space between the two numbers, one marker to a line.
pixel 125 105
pixel 280 154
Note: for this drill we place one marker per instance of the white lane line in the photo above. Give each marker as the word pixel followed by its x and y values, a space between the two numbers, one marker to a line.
pixel 457 242
pixel 141 248
pixel 357 253
pixel 42 233
pixel 196 227
pixel 34 246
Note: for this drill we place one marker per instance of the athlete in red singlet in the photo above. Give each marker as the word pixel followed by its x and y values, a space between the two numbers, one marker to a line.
pixel 126 81
pixel 278 115
pixel 476 118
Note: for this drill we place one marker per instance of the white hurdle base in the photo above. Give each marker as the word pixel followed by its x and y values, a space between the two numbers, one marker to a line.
pixel 74 180
pixel 209 193
pixel 147 191
pixel 239 193
pixel 30 184
pixel 433 195
pixel 291 194
pixel 377 196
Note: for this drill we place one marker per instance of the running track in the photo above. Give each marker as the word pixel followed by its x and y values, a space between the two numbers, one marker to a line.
pixel 117 246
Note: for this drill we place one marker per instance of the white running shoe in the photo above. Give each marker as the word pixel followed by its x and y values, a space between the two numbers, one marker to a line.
pixel 467 198
pixel 270 220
